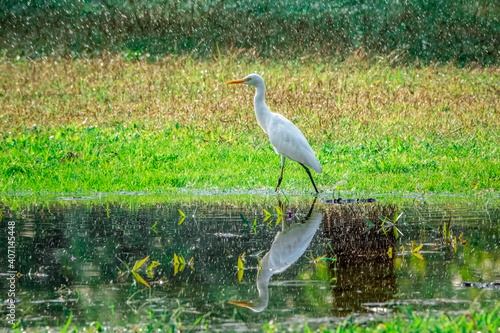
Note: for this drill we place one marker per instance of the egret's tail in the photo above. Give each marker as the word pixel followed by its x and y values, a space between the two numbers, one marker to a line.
pixel 316 166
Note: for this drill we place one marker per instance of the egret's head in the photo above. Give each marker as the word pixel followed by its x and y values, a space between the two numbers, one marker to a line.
pixel 252 80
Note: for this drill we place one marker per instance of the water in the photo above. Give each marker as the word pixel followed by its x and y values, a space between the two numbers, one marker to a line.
pixel 73 257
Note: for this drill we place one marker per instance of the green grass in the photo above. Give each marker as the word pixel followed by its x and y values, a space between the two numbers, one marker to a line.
pixel 108 125
pixel 475 321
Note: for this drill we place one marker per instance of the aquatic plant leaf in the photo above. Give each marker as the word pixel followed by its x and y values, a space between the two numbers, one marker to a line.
pixel 389 252
pixel 153 227
pixel 279 219
pixel 107 210
pixel 243 256
pixel 140 279
pixel 176 269
pixel 255 226
pixel 67 323
pixel 176 259
pixel 455 244
pixel 370 225
pixel 244 220
pixel 191 263
pixel 182 213
pixel 182 261
pixel 278 210
pixel 319 258
pixel 139 264
pixel 181 220
pixel 417 248
pixel 150 268
pixel 240 275
pixel 267 213
pixel 396 217
pixel 240 263
pixel 396 233
pixel 418 255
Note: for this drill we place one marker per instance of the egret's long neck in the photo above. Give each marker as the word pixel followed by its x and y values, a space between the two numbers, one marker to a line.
pixel 261 111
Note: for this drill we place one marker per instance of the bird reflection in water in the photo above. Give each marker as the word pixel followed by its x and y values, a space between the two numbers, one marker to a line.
pixel 288 246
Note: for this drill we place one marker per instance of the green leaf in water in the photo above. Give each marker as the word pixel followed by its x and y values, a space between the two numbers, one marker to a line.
pixel 370 225
pixel 67 323
pixel 150 268
pixel 244 220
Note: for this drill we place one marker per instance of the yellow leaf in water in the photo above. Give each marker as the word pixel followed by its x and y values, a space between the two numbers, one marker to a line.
pixel 240 263
pixel 140 279
pixel 403 249
pixel 139 264
pixel 240 275
pixel 182 213
pixel 176 260
pixel 267 213
pixel 389 252
pixel 278 210
pixel 319 258
pixel 191 262
pixel 455 243
pixel 279 219
pixel 181 220
pixel 176 269
pixel 418 248
pixel 181 259
pixel 418 255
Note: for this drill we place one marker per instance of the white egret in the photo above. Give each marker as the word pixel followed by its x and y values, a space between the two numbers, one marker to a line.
pixel 287 140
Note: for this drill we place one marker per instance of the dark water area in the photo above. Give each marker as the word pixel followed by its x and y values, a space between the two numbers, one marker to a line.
pixel 77 256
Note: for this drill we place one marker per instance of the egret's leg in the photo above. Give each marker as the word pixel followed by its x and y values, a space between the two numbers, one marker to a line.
pixel 310 176
pixel 281 176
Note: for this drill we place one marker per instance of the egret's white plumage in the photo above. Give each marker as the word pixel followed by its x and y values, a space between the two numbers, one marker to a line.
pixel 288 246
pixel 286 138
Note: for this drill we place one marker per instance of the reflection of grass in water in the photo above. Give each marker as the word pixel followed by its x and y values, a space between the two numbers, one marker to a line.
pixel 139 126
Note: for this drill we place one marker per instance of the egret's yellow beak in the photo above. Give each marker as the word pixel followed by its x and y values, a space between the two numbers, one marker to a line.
pixel 242 304
pixel 238 81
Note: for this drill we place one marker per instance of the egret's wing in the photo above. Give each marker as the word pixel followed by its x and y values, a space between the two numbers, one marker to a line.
pixel 289 141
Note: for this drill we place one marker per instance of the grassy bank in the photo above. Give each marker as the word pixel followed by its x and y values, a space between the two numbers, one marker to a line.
pixel 112 124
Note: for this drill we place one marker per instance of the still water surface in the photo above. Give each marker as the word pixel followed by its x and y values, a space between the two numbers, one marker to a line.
pixel 76 256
